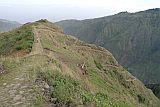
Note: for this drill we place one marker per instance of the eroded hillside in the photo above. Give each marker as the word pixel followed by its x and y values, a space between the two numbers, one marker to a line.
pixel 60 70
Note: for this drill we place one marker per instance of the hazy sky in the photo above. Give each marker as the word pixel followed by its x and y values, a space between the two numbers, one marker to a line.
pixel 55 10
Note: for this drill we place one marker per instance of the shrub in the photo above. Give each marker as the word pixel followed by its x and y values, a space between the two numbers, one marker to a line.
pixel 141 99
pixel 39 102
pixel 18 38
pixel 18 48
pixel 87 97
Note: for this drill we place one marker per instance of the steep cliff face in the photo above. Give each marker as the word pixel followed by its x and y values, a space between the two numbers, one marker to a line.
pixel 133 38
pixel 60 70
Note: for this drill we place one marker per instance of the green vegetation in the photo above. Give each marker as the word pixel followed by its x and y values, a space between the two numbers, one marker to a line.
pixel 10 66
pixel 68 92
pixel 75 76
pixel 19 39
pixel 63 88
pixel 98 65
pixel 141 99
pixel 133 38
pixel 39 102
pixel 46 42
pixel 97 79
pixel 87 97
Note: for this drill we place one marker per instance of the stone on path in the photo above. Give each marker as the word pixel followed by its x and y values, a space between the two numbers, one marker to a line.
pixel 17 98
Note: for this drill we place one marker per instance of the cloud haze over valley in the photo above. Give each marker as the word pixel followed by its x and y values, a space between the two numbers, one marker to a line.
pixel 56 10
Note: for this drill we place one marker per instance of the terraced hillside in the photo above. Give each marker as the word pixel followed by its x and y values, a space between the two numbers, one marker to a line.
pixel 60 70
pixel 133 38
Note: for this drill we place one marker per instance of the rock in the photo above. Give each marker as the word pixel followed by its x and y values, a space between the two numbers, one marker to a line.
pixel 10 86
pixel 23 99
pixel 16 86
pixel 30 90
pixel 43 89
pixel 16 78
pixel 4 84
pixel 53 100
pixel 21 79
pixel 12 92
pixel 17 97
pixel 2 69
pixel 17 103
pixel 21 92
pixel 46 86
pixel 24 87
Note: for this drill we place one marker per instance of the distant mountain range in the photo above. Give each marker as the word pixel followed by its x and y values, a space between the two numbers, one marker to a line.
pixel 133 38
pixel 6 25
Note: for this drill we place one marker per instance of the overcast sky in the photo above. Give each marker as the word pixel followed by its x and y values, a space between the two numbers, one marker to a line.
pixel 55 10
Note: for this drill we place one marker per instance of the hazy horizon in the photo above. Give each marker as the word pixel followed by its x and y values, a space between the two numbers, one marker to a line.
pixel 29 10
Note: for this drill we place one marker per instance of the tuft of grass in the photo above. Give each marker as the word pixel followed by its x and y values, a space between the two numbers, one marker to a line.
pixel 98 65
pixel 141 98
pixel 87 97
pixel 96 79
pixel 39 102
pixel 102 99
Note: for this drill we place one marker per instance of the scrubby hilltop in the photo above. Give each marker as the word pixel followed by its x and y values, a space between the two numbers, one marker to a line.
pixel 133 38
pixel 43 67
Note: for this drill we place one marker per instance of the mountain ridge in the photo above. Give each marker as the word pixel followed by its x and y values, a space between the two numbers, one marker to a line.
pixel 60 70
pixel 131 37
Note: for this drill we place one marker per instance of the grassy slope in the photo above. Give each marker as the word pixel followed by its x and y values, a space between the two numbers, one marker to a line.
pixel 102 83
pixel 133 38
pixel 21 39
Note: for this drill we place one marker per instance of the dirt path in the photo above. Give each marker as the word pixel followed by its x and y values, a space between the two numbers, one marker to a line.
pixel 90 49
pixel 18 87
pixel 37 46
